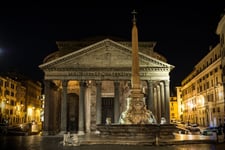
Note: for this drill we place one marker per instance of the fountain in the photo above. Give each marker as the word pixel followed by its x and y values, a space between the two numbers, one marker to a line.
pixel 136 112
pixel 137 120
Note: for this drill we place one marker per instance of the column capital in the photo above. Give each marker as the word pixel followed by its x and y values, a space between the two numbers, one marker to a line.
pixel 150 81
pixel 82 83
pixel 166 82
pixel 162 84
pixel 47 83
pixel 64 83
pixel 116 83
pixel 98 82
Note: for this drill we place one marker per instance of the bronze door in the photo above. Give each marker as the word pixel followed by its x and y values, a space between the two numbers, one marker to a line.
pixel 107 109
pixel 72 112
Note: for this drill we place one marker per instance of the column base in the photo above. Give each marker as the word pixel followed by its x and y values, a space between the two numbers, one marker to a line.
pixel 44 133
pixel 80 133
pixel 97 132
pixel 62 133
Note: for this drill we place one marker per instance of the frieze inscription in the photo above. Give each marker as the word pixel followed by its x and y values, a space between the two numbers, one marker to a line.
pixel 114 74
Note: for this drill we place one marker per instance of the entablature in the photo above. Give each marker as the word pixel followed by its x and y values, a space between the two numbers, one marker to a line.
pixel 105 73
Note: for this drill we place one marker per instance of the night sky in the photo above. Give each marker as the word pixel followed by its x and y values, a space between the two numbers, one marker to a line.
pixel 183 31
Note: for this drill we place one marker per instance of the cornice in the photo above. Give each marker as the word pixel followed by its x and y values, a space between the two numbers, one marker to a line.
pixel 220 25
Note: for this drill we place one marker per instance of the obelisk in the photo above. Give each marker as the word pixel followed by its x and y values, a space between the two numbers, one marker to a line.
pixel 135 78
pixel 136 111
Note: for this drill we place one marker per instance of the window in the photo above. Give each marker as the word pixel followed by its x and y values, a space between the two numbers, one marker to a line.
pixel 218 109
pixel 214 110
pixel 172 114
pixel 6 84
pixel 6 92
pixel 11 111
pixel 1 82
pixel 216 69
pixel 12 86
pixel 211 73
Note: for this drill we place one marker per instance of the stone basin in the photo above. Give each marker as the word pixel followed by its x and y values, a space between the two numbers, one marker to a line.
pixel 137 130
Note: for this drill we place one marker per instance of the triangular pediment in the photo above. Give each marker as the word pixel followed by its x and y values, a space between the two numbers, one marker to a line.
pixel 103 54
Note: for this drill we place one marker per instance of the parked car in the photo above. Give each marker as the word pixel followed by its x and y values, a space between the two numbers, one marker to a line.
pixel 20 129
pixel 193 128
pixel 210 130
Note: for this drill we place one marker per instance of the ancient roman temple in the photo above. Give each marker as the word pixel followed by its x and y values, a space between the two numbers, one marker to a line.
pixel 90 80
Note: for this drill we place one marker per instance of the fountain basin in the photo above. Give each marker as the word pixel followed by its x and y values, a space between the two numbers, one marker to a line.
pixel 150 131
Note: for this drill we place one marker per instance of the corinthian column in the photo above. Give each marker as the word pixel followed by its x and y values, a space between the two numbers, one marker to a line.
pixel 150 100
pixel 81 109
pixel 63 124
pixel 116 102
pixel 98 103
pixel 167 101
pixel 46 107
pixel 162 93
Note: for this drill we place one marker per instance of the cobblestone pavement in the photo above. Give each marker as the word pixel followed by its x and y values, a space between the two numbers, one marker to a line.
pixel 36 142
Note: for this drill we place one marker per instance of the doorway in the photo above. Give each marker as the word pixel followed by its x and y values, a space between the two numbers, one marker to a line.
pixel 72 112
pixel 107 109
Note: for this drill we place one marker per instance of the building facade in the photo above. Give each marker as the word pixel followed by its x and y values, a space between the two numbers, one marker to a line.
pixel 221 32
pixel 174 116
pixel 202 92
pixel 33 103
pixel 10 109
pixel 20 100
pixel 180 106
pixel 88 81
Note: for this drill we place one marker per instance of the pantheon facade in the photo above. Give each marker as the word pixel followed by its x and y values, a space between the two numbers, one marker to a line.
pixel 87 81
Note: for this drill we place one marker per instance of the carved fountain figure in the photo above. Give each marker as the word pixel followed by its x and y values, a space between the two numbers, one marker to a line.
pixel 137 113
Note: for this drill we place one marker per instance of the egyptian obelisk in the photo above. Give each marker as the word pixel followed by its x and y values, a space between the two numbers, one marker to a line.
pixel 135 78
pixel 136 112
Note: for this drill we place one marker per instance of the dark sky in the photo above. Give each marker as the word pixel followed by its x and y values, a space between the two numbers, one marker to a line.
pixel 183 31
